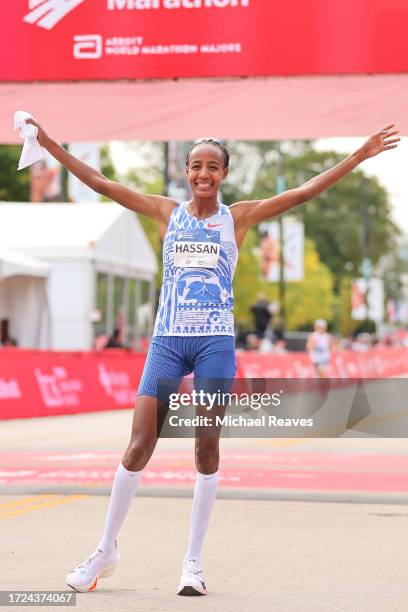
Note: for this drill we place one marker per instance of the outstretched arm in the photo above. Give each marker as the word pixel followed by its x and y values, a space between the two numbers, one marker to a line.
pixel 247 214
pixel 157 207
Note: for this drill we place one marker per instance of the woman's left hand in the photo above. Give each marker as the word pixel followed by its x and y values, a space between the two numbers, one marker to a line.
pixel 382 141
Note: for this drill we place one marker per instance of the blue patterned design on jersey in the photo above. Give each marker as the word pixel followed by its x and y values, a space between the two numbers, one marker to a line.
pixel 197 300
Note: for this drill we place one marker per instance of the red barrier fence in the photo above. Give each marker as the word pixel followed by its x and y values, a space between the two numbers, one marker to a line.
pixel 43 383
pixel 380 362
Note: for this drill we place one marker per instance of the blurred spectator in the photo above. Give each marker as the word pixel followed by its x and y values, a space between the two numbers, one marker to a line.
pixel 4 330
pixel 114 340
pixel 252 342
pixel 44 182
pixel 262 315
pixel 5 338
pixel 319 345
pixel 280 347
pixel 279 331
pixel 362 343
pixel 346 343
pixel 266 345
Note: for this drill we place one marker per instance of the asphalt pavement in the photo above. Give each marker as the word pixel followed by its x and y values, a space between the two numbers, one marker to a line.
pixel 282 537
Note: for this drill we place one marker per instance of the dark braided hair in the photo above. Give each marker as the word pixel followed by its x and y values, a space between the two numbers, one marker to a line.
pixel 215 143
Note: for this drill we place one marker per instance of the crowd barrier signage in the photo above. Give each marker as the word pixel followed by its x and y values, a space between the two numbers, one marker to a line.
pixel 45 383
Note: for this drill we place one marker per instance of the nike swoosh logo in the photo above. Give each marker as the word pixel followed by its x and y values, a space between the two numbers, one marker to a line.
pixel 212 225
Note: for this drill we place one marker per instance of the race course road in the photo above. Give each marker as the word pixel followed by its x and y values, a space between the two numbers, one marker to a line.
pixel 38 455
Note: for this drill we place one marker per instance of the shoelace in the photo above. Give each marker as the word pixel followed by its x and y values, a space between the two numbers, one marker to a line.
pixel 83 566
pixel 193 567
pixel 87 563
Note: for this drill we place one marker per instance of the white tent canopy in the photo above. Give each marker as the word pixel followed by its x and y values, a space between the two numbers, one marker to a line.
pixel 98 260
pixel 13 263
pixel 23 298
pixel 105 233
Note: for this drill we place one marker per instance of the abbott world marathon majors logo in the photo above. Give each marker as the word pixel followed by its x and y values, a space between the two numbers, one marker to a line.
pixel 48 13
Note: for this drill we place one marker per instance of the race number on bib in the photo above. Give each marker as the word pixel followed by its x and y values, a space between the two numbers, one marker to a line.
pixel 196 249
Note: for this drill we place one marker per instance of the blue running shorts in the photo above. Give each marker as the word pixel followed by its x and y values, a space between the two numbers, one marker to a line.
pixel 170 358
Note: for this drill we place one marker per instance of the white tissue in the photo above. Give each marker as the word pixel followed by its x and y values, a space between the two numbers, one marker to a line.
pixel 32 151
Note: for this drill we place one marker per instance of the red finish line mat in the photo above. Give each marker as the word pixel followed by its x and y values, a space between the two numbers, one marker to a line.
pixel 312 471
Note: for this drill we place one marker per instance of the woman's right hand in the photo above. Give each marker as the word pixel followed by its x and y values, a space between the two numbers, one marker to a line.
pixel 42 136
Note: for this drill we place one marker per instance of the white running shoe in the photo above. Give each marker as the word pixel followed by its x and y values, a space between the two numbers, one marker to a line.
pixel 84 577
pixel 192 581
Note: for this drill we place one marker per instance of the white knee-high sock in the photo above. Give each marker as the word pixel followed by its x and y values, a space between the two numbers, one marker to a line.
pixel 124 487
pixel 204 495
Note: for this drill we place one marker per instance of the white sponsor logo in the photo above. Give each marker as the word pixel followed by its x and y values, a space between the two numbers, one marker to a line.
pixel 117 385
pixel 9 389
pixel 173 4
pixel 88 46
pixel 57 389
pixel 47 13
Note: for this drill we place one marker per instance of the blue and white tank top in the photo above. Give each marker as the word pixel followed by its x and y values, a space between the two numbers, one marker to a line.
pixel 199 259
pixel 320 352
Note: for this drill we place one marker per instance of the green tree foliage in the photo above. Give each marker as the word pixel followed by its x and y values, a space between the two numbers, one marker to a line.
pixel 14 184
pixel 148 177
pixel 333 226
pixel 305 301
pixel 247 281
pixel 107 166
pixel 334 220
pixel 313 298
pixel 393 270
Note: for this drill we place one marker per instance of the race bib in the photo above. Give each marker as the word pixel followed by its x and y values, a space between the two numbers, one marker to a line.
pixel 198 248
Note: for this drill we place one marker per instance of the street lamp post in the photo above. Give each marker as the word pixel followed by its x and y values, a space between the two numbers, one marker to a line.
pixel 366 266
pixel 280 188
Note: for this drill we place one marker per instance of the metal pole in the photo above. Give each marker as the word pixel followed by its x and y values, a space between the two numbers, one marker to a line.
pixel 138 301
pixel 64 196
pixel 366 265
pixel 109 307
pixel 166 168
pixel 282 287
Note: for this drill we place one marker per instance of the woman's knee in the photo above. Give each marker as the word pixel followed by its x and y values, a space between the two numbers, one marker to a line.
pixel 207 459
pixel 138 454
pixel 144 434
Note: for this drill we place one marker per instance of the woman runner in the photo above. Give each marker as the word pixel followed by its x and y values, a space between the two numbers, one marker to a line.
pixel 194 329
pixel 319 346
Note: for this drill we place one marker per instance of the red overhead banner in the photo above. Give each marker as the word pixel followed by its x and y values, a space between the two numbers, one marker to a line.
pixel 138 39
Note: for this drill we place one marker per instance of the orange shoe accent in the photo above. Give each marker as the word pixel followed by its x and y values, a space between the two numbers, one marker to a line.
pixel 93 586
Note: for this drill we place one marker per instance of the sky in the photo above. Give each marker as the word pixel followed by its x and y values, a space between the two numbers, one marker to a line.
pixel 390 168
